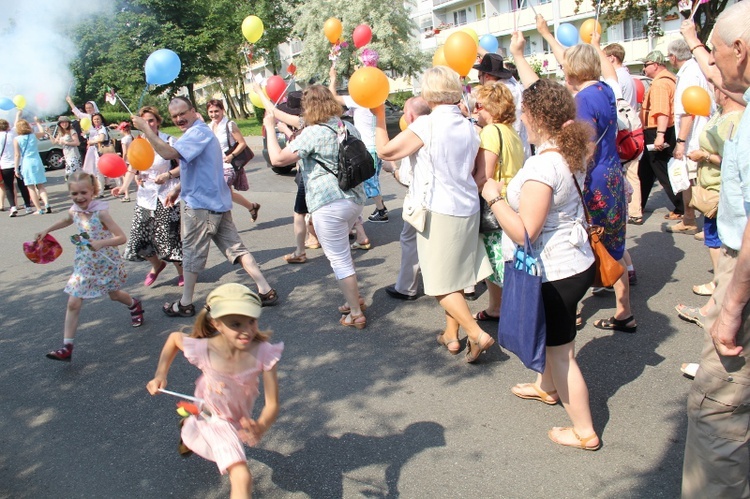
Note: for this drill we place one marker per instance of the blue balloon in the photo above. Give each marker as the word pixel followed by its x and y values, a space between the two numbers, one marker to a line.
pixel 489 43
pixel 162 67
pixel 567 35
pixel 6 104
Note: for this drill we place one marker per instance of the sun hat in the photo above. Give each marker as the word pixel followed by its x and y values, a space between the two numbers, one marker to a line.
pixel 63 118
pixel 233 298
pixel 492 64
pixel 293 103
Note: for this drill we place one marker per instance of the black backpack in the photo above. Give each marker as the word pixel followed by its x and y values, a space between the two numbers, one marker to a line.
pixel 355 161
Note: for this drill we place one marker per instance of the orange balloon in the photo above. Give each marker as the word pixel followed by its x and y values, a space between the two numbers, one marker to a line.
pixel 141 154
pixel 587 29
pixel 402 123
pixel 439 58
pixel 333 29
pixel 696 101
pixel 369 87
pixel 460 52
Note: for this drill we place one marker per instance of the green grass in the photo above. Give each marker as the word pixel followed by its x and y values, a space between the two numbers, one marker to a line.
pixel 248 128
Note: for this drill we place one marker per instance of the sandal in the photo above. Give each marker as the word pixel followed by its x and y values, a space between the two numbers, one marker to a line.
pixel 483 316
pixel 358 321
pixel 269 299
pixel 125 200
pixel 579 321
pixel 581 441
pixel 635 220
pixel 690 314
pixel 705 289
pixel 453 351
pixel 312 245
pixel 672 216
pixel 151 276
pixel 182 310
pixel 361 246
pixel 613 324
pixel 254 212
pixel 540 394
pixel 475 348
pixel 346 309
pixel 295 258
pixel 136 313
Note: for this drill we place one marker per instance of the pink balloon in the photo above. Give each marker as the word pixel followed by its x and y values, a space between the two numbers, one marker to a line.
pixel 41 99
pixel 362 35
pixel 111 165
pixel 275 87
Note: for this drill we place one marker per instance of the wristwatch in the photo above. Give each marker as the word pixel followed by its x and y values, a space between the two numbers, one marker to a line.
pixel 680 141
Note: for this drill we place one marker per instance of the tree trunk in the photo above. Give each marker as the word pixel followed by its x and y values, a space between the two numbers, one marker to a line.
pixel 231 108
pixel 191 94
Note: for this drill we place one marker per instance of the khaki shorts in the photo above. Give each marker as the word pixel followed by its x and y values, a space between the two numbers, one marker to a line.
pixel 199 228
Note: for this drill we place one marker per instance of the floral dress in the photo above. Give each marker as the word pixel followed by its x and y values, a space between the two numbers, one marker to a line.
pixel 95 273
pixel 229 397
pixel 604 188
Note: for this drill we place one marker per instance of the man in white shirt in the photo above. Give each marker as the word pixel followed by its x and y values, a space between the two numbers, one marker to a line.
pixel 687 127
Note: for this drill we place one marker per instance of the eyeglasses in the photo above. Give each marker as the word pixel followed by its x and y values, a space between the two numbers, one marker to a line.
pixel 478 106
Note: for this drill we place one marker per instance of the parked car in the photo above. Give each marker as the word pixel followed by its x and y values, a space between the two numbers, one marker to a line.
pixel 392 123
pixel 52 154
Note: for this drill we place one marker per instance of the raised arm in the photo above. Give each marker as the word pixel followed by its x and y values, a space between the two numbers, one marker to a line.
pixel 557 49
pixel 161 147
pixel 402 145
pixel 608 69
pixel 288 119
pixel 332 83
pixel 525 71
pixel 278 156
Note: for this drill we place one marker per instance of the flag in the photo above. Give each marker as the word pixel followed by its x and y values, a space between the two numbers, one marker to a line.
pixel 110 97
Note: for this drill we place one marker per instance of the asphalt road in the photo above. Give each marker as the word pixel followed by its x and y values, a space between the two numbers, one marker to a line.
pixel 382 412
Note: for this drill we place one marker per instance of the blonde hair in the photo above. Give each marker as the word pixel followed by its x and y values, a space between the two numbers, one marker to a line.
pixel 152 110
pixel 204 328
pixel 441 85
pixel 23 127
pixel 497 99
pixel 80 176
pixel 319 105
pixel 582 63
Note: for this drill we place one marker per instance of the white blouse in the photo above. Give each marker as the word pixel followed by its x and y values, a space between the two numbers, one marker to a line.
pixel 149 191
pixel 446 161
pixel 562 248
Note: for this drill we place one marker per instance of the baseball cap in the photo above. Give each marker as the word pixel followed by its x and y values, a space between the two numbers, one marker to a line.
pixel 233 298
pixel 655 56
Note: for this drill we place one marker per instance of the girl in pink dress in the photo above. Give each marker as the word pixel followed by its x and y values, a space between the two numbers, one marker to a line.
pixel 230 350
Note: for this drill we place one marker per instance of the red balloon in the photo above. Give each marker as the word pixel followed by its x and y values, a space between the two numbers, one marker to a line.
pixel 111 165
pixel 275 87
pixel 362 35
pixel 640 90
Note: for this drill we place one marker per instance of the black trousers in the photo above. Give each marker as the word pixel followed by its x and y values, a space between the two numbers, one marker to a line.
pixel 653 166
pixel 8 176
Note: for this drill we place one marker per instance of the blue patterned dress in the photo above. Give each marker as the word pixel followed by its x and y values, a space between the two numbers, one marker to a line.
pixel 95 273
pixel 604 188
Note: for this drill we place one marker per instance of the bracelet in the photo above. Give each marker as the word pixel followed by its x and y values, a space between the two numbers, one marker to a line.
pixel 661 131
pixel 494 200
pixel 697 47
pixel 170 174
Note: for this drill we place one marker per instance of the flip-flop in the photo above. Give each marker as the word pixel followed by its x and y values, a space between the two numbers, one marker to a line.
pixel 442 341
pixel 540 395
pixel 484 316
pixel 690 314
pixel 613 324
pixel 254 212
pixel 151 276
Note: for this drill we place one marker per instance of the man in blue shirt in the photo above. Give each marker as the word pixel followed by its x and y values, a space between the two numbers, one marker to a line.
pixel 206 203
pixel 717 449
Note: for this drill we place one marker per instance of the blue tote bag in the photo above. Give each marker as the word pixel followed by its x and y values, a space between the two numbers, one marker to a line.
pixel 522 328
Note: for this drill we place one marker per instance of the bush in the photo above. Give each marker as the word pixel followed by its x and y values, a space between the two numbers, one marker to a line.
pixel 399 98
pixel 259 113
pixel 115 117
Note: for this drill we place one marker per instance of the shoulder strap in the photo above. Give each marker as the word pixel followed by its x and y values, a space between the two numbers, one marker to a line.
pixel 500 137
pixel 5 142
pixel 337 139
pixel 580 194
pixel 229 135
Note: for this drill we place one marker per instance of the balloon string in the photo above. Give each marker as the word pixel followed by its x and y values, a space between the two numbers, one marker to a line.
pixel 528 2
pixel 123 103
pixel 140 101
pixel 598 9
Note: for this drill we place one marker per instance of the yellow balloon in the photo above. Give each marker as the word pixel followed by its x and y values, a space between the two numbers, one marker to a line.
pixel 587 29
pixel 85 124
pixel 19 101
pixel 255 99
pixel 472 34
pixel 439 58
pixel 333 29
pixel 402 123
pixel 252 28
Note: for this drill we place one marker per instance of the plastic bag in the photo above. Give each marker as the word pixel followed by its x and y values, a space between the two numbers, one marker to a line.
pixel 678 175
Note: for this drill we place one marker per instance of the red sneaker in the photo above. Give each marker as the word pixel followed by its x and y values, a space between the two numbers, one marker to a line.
pixel 65 353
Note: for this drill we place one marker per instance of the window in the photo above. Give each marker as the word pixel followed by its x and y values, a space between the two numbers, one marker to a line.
pixel 425 22
pixel 542 2
pixel 459 17
pixel 633 29
pixel 527 46
pixel 295 46
pixel 479 9
pixel 545 47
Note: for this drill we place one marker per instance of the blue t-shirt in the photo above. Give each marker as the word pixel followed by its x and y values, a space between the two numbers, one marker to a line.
pixel 202 170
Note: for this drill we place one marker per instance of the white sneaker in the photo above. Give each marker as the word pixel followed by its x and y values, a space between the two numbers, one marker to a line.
pixel 689 369
pixel 13 211
pixel 29 211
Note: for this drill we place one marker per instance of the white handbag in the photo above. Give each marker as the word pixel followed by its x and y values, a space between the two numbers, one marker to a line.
pixel 415 210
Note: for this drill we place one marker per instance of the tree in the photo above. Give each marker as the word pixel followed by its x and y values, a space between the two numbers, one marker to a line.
pixel 393 35
pixel 615 11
